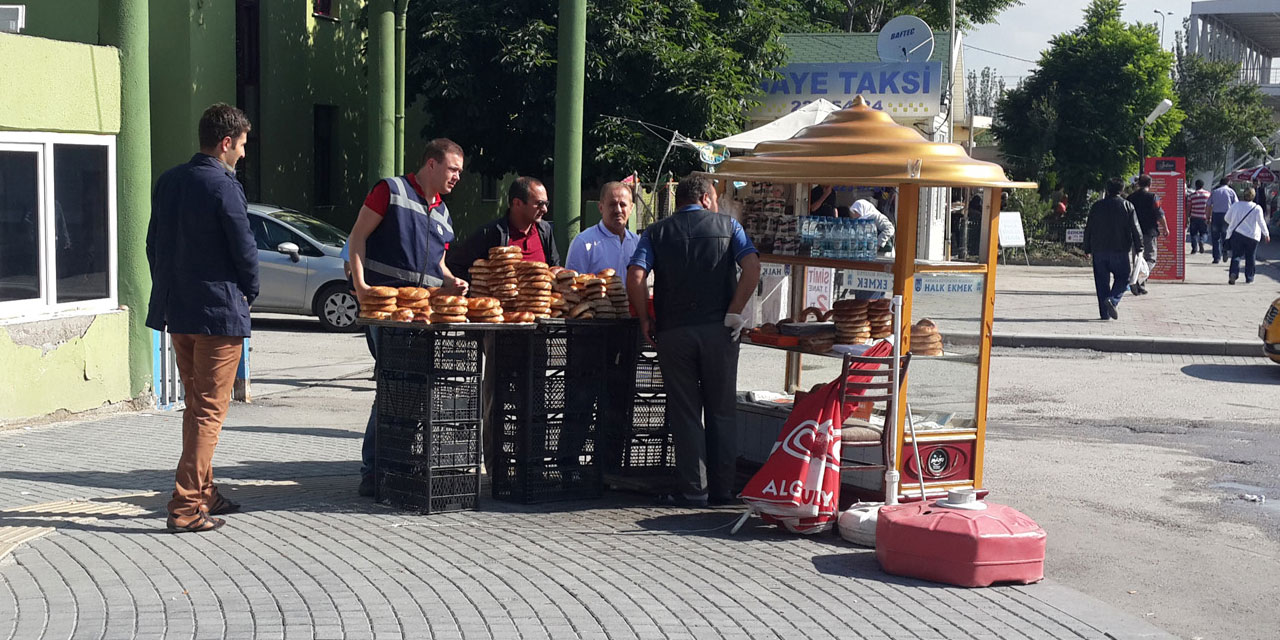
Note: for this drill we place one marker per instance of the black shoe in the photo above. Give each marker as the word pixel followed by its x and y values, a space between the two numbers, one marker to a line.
pixel 366 486
pixel 1133 288
pixel 1142 290
pixel 680 500
pixel 1111 310
pixel 1231 280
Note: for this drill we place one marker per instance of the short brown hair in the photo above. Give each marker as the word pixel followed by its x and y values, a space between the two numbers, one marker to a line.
pixel 691 189
pixel 221 121
pixel 439 148
pixel 610 186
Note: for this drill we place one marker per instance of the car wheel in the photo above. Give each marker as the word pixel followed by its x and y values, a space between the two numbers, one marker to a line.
pixel 337 308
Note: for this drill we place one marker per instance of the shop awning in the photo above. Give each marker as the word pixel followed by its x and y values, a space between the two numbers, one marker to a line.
pixel 864 147
pixel 782 128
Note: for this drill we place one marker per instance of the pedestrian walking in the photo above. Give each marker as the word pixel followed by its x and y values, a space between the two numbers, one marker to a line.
pixel 698 299
pixel 1198 217
pixel 1246 226
pixel 400 240
pixel 204 277
pixel 1152 222
pixel 1111 234
pixel 1220 200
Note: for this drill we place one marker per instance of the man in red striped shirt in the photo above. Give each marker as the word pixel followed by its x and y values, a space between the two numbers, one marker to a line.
pixel 1198 217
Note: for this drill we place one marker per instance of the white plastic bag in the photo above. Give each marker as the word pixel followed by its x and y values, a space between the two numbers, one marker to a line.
pixel 1140 270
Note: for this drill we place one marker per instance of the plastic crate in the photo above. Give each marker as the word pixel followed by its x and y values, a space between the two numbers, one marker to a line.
pixel 648 377
pixel 647 453
pixel 435 492
pixel 546 386
pixel 432 353
pixel 415 397
pixel 418 449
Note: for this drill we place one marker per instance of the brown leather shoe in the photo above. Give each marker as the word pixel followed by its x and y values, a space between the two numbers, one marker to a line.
pixel 201 524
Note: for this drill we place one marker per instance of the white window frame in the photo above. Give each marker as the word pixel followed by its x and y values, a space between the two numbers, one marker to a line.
pixel 47 306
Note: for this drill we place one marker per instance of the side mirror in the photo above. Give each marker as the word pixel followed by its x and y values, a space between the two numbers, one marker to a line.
pixel 290 249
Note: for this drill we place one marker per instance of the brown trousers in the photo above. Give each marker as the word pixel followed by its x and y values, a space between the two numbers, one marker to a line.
pixel 207 365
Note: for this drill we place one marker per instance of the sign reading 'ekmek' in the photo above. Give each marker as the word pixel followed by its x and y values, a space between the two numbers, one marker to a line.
pixel 904 90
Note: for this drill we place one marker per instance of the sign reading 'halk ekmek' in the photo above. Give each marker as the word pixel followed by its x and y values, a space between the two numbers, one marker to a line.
pixel 904 90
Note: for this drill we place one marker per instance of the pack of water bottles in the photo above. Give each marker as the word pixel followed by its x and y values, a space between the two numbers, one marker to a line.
pixel 839 238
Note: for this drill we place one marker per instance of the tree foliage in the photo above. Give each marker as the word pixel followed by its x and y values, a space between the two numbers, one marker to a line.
pixel 1221 112
pixel 1076 119
pixel 982 91
pixel 870 15
pixel 486 71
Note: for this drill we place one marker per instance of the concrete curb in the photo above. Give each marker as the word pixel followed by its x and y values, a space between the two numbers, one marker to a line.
pixel 1120 344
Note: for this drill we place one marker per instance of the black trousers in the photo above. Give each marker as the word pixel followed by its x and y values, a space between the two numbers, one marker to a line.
pixel 700 373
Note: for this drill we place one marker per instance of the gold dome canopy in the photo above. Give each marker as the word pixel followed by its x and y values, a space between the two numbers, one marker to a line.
pixel 864 147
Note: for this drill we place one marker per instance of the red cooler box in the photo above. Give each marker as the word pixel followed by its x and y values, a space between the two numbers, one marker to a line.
pixel 961 544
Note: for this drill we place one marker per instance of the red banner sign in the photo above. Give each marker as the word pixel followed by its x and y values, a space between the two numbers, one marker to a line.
pixel 1169 183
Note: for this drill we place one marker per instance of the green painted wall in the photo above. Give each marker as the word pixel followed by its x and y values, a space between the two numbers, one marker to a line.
pixel 308 62
pixel 85 99
pixel 188 73
pixel 70 20
pixel 72 365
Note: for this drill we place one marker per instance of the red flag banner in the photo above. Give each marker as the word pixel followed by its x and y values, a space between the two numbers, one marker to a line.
pixel 799 485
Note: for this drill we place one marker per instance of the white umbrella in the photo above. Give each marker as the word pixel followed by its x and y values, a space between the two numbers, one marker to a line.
pixel 782 128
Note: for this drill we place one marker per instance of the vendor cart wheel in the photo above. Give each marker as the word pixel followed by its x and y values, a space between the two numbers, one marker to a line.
pixel 741 521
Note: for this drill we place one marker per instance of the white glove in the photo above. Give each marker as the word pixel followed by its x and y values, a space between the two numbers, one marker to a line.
pixel 736 323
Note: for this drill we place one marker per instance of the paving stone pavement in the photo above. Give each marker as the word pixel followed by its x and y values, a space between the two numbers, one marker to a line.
pixel 308 559
pixel 1060 300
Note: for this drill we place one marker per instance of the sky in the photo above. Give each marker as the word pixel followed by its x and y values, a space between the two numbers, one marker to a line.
pixel 1025 31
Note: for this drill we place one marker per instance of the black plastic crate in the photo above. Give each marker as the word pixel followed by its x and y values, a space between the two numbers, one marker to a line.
pixel 430 353
pixel 417 449
pixel 547 385
pixel 648 452
pixel 419 397
pixel 649 413
pixel 648 376
pixel 436 492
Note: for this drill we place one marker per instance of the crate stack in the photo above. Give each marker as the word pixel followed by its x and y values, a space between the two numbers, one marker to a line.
pixel 547 382
pixel 428 420
pixel 647 448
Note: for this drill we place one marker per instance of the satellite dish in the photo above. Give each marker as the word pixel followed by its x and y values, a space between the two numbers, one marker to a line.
pixel 905 39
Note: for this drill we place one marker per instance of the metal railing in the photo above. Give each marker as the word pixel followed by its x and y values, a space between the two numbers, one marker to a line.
pixel 1262 76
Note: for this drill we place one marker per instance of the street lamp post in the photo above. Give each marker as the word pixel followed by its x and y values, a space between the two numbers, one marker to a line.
pixel 1162 14
pixel 1160 110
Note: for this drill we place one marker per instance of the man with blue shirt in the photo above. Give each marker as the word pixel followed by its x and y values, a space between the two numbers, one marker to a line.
pixel 608 244
pixel 204 276
pixel 399 240
pixel 696 255
pixel 1220 199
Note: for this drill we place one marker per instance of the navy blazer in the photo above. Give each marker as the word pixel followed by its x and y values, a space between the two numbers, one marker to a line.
pixel 204 260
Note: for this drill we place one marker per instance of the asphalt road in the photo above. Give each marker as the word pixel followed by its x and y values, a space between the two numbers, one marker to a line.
pixel 1133 463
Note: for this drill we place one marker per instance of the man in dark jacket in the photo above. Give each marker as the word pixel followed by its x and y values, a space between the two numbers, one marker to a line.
pixel 698 297
pixel 1110 234
pixel 522 227
pixel 1151 222
pixel 204 276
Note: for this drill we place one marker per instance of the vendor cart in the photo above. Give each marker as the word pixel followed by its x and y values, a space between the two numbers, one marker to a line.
pixel 947 389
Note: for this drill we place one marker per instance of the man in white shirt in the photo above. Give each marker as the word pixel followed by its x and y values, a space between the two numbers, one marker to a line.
pixel 1246 226
pixel 1220 199
pixel 608 244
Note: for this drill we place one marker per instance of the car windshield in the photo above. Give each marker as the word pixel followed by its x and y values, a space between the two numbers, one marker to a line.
pixel 320 231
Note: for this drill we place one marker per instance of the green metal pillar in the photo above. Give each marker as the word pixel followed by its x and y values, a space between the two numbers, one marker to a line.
pixel 572 37
pixel 382 90
pixel 125 24
pixel 402 19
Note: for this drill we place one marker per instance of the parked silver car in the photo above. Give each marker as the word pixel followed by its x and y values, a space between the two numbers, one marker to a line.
pixel 300 267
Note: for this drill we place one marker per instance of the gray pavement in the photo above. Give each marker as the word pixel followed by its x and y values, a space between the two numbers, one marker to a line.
pixel 1056 307
pixel 307 559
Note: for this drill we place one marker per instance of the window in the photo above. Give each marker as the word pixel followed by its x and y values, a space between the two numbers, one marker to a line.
pixel 325 9
pixel 57 223
pixel 269 235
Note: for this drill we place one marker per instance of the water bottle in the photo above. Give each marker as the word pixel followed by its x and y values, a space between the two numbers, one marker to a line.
pixel 870 239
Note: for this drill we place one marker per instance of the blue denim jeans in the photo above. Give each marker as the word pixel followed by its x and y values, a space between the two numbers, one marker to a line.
pixel 1247 248
pixel 367 449
pixel 1218 235
pixel 1108 265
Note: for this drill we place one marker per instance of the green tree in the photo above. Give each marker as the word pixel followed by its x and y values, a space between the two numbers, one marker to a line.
pixel 1221 112
pixel 1076 119
pixel 485 71
pixel 870 15
pixel 982 91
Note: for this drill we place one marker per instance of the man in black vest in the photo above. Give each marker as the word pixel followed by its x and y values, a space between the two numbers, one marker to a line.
pixel 698 299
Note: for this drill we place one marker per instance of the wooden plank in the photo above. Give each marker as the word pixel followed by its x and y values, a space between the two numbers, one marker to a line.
pixel 885 265
pixel 949 267
pixel 904 269
pixel 990 223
